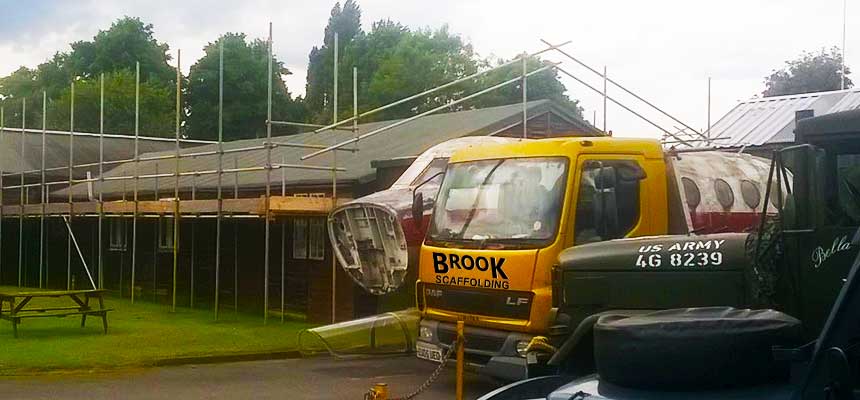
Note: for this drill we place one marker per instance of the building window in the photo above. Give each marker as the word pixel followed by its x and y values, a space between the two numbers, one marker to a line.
pixel 316 234
pixel 300 238
pixel 116 228
pixel 165 234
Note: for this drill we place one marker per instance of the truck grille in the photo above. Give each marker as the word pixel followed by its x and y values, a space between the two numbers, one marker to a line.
pixel 474 341
pixel 491 303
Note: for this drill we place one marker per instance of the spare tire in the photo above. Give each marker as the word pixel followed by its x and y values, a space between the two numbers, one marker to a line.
pixel 693 348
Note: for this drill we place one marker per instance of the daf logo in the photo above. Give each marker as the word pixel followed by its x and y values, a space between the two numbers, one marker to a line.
pixel 517 301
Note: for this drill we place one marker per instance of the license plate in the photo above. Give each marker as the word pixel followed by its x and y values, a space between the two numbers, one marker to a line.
pixel 428 351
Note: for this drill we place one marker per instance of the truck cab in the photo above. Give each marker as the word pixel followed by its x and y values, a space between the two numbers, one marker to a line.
pixel 504 214
pixel 819 217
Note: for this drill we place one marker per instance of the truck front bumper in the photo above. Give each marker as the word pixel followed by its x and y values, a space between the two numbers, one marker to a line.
pixel 488 351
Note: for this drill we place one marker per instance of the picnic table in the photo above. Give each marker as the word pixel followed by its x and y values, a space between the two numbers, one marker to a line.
pixel 19 306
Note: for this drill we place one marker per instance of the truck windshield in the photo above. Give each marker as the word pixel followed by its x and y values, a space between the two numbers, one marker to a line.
pixel 512 202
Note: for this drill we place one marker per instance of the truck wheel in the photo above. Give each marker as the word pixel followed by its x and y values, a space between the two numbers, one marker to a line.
pixel 693 348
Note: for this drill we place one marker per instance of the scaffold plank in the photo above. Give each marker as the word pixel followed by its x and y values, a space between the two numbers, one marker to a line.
pixel 279 205
pixel 286 205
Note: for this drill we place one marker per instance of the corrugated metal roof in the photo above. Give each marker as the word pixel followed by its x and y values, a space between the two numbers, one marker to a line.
pixel 771 119
pixel 851 101
pixel 116 147
pixel 406 140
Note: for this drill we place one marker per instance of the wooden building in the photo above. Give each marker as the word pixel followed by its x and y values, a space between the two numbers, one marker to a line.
pixel 138 237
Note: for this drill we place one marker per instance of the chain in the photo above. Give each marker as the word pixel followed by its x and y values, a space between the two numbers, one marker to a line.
pixel 434 376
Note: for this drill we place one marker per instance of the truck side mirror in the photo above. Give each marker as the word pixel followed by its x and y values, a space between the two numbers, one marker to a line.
pixel 418 209
pixel 418 200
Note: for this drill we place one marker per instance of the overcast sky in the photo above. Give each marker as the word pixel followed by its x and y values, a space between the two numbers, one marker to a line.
pixel 663 50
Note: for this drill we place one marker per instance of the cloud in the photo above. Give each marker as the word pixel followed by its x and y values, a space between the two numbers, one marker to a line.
pixel 664 50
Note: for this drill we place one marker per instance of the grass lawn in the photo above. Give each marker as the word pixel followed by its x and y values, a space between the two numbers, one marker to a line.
pixel 138 335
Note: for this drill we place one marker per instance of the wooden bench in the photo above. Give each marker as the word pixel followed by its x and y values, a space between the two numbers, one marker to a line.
pixel 18 306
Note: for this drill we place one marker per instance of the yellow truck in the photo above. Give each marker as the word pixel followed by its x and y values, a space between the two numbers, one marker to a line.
pixel 505 212
pixel 484 228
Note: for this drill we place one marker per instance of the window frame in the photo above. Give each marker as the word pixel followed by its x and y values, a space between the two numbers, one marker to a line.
pixel 316 238
pixel 300 231
pixel 611 160
pixel 568 165
pixel 116 230
pixel 425 173
pixel 166 234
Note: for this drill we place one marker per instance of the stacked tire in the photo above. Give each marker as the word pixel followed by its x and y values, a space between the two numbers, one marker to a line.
pixel 693 348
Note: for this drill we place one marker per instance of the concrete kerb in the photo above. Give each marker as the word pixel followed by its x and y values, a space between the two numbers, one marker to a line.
pixel 163 362
pixel 228 358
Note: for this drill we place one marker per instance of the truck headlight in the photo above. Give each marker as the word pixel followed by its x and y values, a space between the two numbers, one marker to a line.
pixel 522 345
pixel 425 333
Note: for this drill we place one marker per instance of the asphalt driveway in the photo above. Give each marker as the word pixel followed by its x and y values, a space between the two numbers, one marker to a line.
pixel 318 378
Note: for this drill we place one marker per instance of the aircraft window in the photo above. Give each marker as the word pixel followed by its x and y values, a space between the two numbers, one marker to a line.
pixel 724 193
pixel 691 192
pixel 751 193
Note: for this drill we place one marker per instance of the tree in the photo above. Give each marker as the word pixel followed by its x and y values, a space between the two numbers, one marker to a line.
pixel 127 41
pixel 113 52
pixel 318 92
pixel 20 83
pixel 157 115
pixel 811 72
pixel 394 62
pixel 419 61
pixel 543 85
pixel 245 87
pixel 18 86
pixel 366 52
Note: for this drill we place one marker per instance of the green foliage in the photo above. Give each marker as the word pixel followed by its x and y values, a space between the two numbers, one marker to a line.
pixel 419 61
pixel 127 41
pixel 811 72
pixel 318 92
pixel 395 62
pixel 22 84
pixel 113 52
pixel 392 60
pixel 245 102
pixel 543 85
pixel 157 106
pixel 19 84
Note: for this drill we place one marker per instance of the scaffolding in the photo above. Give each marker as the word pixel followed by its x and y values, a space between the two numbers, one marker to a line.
pixel 220 208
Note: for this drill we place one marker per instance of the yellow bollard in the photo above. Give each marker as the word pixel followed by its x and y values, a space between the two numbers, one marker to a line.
pixel 461 342
pixel 379 391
